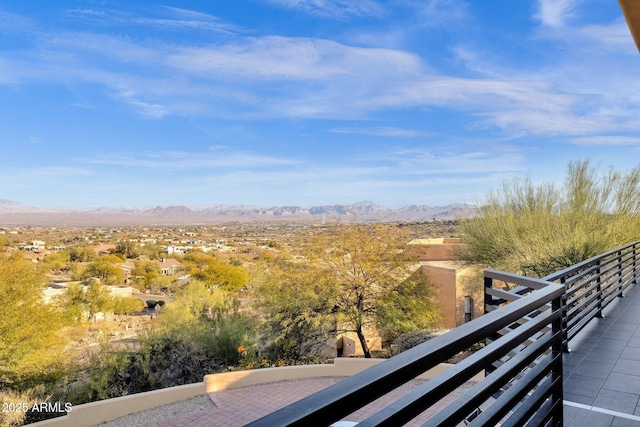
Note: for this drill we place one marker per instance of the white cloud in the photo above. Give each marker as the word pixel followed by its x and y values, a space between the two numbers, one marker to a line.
pixel 380 131
pixel 614 36
pixel 336 9
pixel 441 12
pixel 287 58
pixel 177 160
pixel 393 179
pixel 442 161
pixel 283 77
pixel 605 140
pixel 172 18
pixel 554 13
pixel 189 19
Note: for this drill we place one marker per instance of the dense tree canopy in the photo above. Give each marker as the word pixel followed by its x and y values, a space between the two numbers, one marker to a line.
pixel 106 271
pixel 369 271
pixel 215 272
pixel 297 303
pixel 356 276
pixel 30 347
pixel 126 248
pixel 208 317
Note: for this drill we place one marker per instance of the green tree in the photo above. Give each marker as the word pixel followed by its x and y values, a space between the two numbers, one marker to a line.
pixel 82 254
pixel 153 251
pixel 214 271
pixel 56 261
pixel 106 271
pixel 538 229
pixel 368 270
pixel 353 277
pixel 126 248
pixel 98 298
pixel 210 318
pixel 79 303
pixel 409 307
pixel 73 304
pixel 218 273
pixel 297 304
pixel 127 305
pixel 30 345
pixel 146 274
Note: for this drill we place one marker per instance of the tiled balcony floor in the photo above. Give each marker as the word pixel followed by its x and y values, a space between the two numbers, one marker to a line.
pixel 602 371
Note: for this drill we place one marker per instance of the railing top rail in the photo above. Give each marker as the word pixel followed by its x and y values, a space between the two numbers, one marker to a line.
pixel 529 282
pixel 354 392
pixel 562 273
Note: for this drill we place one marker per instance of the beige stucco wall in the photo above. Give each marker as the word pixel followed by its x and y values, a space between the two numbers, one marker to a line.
pixel 443 281
pixel 342 367
pixel 449 280
pixel 91 414
pixel 434 249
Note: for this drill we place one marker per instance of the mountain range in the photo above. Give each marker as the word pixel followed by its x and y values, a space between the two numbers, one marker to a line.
pixel 16 214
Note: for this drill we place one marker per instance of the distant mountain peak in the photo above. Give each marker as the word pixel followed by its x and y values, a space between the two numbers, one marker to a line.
pixel 170 211
pixel 13 213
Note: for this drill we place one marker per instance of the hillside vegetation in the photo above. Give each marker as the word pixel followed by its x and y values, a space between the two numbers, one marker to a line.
pixel 536 229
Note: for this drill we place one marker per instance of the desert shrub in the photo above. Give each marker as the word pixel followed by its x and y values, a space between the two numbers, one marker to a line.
pixel 412 339
pixel 166 362
pixel 230 333
pixel 127 305
pixel 160 362
pixel 537 229
pixel 11 418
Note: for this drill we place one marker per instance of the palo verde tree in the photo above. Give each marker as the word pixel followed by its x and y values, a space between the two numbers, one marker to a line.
pixel 30 345
pixel 368 272
pixel 79 303
pixel 296 302
pixel 126 248
pixel 106 270
pixel 538 229
pixel 210 318
pixel 215 272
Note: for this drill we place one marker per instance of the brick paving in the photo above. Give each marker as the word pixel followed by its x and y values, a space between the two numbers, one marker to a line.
pixel 237 407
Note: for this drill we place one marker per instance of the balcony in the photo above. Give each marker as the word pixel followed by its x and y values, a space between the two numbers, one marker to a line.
pixel 564 349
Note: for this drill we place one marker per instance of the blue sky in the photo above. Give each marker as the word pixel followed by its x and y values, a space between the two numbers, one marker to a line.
pixel 308 102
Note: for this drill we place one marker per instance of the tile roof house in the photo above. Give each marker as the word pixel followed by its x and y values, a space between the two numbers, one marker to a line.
pixel 170 267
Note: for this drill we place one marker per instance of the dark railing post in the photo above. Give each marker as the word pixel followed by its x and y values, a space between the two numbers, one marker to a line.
pixel 557 349
pixel 599 290
pixel 620 270
pixel 564 320
pixel 488 299
pixel 635 275
pixel 468 308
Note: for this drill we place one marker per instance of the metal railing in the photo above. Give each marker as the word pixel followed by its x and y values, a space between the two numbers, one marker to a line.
pixel 526 388
pixel 590 286
pixel 526 327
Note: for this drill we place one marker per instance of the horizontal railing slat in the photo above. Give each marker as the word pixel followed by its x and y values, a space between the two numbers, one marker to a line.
pixel 480 392
pixel 348 395
pixel 420 399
